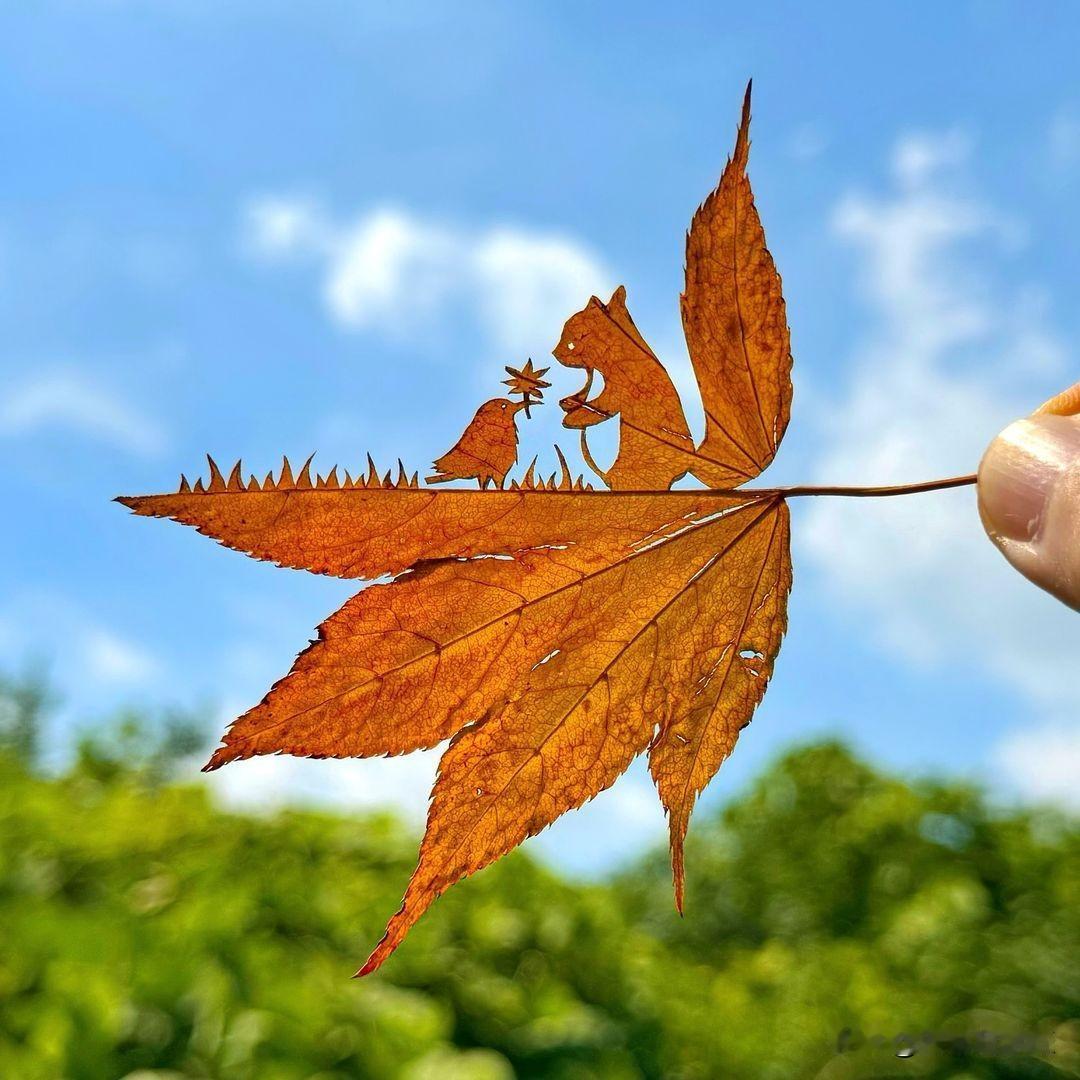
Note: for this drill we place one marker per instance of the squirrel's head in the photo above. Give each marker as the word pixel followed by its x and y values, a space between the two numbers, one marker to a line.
pixel 601 338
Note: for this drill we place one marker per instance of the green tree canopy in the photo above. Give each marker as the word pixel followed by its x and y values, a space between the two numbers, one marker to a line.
pixel 147 933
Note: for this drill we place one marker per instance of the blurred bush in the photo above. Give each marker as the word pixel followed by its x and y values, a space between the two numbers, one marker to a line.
pixel 145 933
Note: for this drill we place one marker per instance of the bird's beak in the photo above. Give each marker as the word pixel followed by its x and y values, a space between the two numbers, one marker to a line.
pixel 519 405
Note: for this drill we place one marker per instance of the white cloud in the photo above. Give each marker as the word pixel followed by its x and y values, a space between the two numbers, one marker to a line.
pixel 112 659
pixel 1064 140
pixel 41 622
pixel 919 156
pixel 276 227
pixel 530 283
pixel 392 272
pixel 1044 763
pixel 266 783
pixel 807 142
pixel 951 357
pixel 68 400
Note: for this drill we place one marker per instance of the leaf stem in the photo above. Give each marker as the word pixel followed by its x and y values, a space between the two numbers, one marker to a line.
pixel 854 492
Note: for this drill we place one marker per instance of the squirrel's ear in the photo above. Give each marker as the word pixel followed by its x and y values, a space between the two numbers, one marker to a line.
pixel 618 313
pixel 594 301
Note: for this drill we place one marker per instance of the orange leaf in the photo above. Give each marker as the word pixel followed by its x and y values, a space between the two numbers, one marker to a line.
pixel 550 631
pixel 367 533
pixel 655 447
pixel 404 666
pixel 749 611
pixel 640 652
pixel 736 327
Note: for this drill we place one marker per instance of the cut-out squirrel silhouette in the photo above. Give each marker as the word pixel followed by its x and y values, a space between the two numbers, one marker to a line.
pixel 737 335
pixel 655 447
pixel 655 444
pixel 487 449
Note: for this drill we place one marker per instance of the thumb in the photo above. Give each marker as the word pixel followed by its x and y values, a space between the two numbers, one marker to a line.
pixel 1029 496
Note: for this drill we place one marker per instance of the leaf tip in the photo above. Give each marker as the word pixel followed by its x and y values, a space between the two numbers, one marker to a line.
pixel 742 140
pixel 221 756
pixel 378 955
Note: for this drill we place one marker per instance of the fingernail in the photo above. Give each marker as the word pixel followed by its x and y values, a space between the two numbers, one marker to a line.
pixel 1067 403
pixel 1019 470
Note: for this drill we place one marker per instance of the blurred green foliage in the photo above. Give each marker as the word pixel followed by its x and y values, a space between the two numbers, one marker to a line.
pixel 146 933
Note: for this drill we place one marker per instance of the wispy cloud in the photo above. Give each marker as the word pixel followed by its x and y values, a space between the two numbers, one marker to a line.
pixel 69 400
pixel 1063 140
pixel 110 658
pixel 1043 763
pixel 807 142
pixel 79 648
pixel 392 272
pixel 918 157
pixel 267 783
pixel 950 357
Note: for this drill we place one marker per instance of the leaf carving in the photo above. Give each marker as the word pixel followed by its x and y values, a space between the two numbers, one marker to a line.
pixel 550 631
pixel 487 448
pixel 736 327
pixel 655 447
pixel 638 657
pixel 736 330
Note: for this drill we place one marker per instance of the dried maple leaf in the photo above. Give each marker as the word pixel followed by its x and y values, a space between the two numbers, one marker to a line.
pixel 551 631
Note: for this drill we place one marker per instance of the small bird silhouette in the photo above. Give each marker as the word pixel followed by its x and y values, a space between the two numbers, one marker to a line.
pixel 487 448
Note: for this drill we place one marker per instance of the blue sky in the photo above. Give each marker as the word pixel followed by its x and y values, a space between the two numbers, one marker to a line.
pixel 256 229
